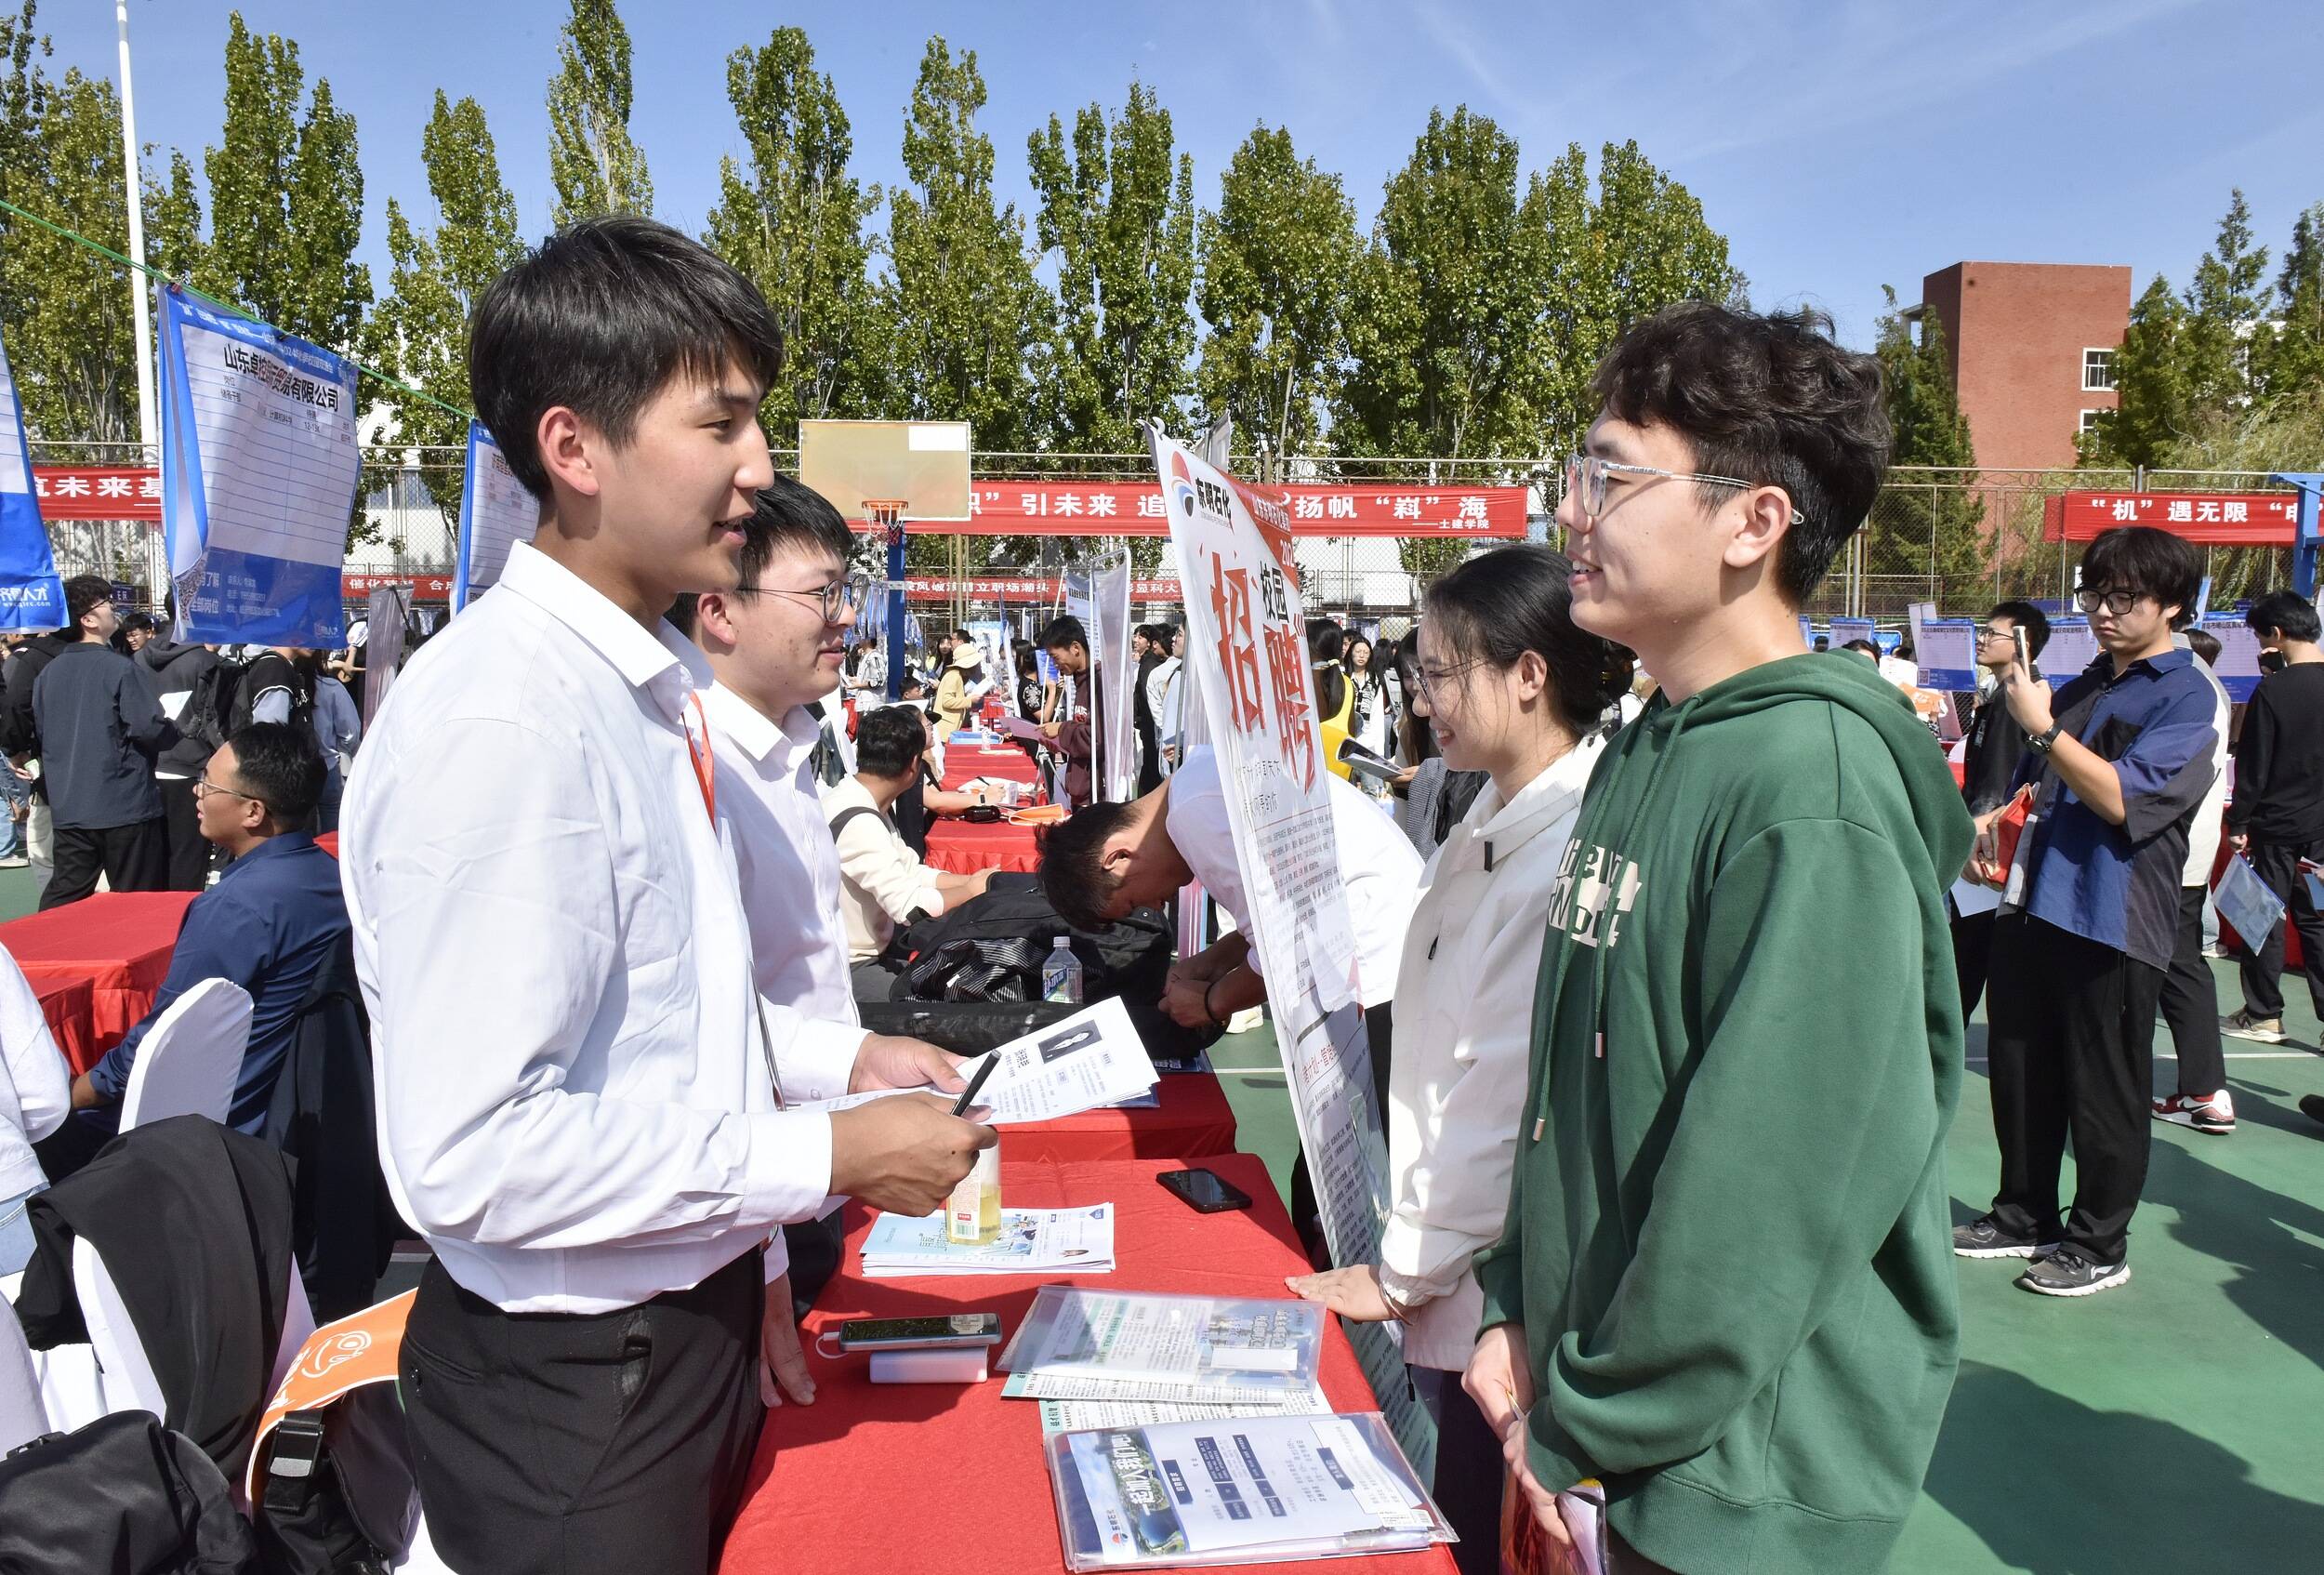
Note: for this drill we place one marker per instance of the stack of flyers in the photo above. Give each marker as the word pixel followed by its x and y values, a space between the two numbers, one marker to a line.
pixel 1074 1241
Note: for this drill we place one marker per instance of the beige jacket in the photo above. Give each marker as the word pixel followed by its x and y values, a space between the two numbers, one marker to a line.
pixel 881 880
pixel 1464 1028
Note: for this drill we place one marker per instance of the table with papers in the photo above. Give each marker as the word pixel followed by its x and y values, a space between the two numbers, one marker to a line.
pixel 971 1459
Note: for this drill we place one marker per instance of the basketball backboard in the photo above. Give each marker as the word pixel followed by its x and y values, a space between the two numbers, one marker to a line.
pixel 923 465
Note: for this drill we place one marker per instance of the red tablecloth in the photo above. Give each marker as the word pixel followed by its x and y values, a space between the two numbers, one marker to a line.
pixel 907 1478
pixel 965 764
pixel 1192 1122
pixel 65 1004
pixel 961 847
pixel 117 943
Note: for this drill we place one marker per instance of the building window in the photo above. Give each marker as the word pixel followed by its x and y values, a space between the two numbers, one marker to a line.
pixel 2089 419
pixel 2097 369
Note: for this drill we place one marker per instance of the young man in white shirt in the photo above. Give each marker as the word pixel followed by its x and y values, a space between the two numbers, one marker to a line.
pixel 580 1095
pixel 774 643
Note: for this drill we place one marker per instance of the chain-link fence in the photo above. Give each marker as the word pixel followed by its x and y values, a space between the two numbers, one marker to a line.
pixel 1961 538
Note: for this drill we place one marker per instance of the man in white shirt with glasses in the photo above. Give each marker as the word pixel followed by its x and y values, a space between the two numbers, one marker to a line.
pixel 583 1099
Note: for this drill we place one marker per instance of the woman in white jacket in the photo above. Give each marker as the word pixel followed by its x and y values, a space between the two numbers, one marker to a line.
pixel 1514 690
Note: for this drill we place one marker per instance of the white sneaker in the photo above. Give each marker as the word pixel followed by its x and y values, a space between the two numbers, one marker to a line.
pixel 15 860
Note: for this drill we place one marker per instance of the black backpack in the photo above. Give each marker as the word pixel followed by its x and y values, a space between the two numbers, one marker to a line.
pixel 991 949
pixel 124 1495
pixel 211 703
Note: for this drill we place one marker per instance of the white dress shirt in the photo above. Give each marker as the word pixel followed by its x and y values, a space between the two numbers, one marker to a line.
pixel 788 865
pixel 35 1086
pixel 1379 868
pixel 577 1108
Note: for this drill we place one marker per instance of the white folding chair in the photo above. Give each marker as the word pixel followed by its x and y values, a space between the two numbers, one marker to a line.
pixel 188 1061
pixel 23 1416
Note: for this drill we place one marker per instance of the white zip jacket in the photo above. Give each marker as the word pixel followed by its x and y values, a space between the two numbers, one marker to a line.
pixel 1465 1024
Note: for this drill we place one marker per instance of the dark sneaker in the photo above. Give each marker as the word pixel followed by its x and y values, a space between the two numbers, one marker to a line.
pixel 2216 1114
pixel 1986 1237
pixel 2244 1024
pixel 2069 1271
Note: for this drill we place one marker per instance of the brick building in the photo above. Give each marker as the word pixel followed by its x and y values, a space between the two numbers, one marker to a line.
pixel 2031 347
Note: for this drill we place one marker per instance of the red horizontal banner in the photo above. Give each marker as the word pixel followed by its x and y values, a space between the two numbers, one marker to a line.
pixel 424 588
pixel 2208 519
pixel 1026 590
pixel 1136 509
pixel 98 492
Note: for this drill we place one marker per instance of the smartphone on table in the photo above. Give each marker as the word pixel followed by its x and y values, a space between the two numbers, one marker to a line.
pixel 1206 1192
pixel 950 1332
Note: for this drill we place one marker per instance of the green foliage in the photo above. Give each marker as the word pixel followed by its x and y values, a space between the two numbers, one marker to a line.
pixel 2292 363
pixel 594 164
pixel 420 332
pixel 1939 530
pixel 1275 260
pixel 792 220
pixel 285 198
pixel 1122 225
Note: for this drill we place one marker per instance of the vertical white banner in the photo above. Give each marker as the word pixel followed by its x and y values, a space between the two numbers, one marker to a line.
pixel 496 513
pixel 1246 649
pixel 1109 596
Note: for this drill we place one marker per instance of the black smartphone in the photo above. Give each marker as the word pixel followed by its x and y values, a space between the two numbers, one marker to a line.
pixel 949 1333
pixel 1206 1192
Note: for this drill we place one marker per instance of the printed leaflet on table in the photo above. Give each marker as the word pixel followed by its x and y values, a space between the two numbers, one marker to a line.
pixel 1219 1349
pixel 1237 1489
pixel 1032 1241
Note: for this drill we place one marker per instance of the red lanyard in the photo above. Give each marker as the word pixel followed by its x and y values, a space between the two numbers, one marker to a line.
pixel 706 766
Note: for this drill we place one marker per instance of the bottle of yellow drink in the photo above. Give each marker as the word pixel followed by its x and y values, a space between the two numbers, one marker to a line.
pixel 973 1215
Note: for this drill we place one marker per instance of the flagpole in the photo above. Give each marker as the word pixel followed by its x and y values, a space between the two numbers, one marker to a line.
pixel 133 193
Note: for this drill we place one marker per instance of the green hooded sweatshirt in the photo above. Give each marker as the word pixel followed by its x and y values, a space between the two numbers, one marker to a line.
pixel 1729 1235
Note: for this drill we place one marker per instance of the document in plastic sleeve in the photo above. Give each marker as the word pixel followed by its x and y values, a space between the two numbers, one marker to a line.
pixel 1237 1489
pixel 1032 1241
pixel 1214 1349
pixel 1077 1416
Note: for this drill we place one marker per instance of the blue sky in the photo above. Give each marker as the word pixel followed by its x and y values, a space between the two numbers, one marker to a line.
pixel 1839 146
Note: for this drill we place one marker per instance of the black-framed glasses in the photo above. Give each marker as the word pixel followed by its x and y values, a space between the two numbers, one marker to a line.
pixel 1429 678
pixel 846 594
pixel 1586 475
pixel 2115 602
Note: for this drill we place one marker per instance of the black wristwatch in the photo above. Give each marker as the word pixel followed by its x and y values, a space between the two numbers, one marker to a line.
pixel 2047 740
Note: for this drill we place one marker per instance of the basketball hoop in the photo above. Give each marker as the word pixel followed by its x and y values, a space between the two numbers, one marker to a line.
pixel 883 511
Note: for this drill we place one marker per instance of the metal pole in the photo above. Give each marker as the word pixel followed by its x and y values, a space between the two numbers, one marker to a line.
pixel 133 194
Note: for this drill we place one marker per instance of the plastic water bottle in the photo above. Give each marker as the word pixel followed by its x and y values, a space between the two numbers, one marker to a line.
pixel 1060 973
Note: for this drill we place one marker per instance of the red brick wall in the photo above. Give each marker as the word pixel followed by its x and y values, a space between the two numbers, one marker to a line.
pixel 2015 333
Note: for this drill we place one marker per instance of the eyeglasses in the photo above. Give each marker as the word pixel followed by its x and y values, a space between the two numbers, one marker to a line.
pixel 846 594
pixel 203 788
pixel 1429 678
pixel 2115 602
pixel 1586 477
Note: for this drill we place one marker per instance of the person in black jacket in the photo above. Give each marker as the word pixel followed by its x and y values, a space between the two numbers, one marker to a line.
pixel 2277 816
pixel 21 738
pixel 174 670
pixel 1994 745
pixel 99 729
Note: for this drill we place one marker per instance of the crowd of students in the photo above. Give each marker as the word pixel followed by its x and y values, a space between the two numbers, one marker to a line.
pixel 614 880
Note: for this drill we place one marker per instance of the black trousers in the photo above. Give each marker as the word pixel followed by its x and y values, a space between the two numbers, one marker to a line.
pixel 187 854
pixel 131 858
pixel 549 1444
pixel 1973 942
pixel 2070 1044
pixel 2277 864
pixel 1469 1469
pixel 2190 1003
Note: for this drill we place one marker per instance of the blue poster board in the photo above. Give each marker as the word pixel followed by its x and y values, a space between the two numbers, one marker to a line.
pixel 32 598
pixel 259 468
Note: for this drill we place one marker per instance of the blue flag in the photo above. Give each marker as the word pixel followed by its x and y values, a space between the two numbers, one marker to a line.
pixel 32 598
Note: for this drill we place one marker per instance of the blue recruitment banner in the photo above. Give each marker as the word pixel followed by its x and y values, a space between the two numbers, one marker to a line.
pixel 259 468
pixel 496 513
pixel 32 598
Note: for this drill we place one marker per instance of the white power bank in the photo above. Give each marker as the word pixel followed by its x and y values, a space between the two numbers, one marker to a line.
pixel 957 1366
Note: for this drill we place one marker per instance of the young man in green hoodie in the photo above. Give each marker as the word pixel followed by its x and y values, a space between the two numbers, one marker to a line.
pixel 1725 1290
